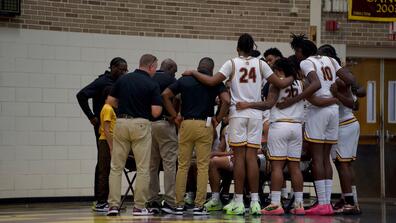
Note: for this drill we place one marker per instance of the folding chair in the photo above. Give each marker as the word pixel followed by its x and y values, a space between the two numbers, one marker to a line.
pixel 130 169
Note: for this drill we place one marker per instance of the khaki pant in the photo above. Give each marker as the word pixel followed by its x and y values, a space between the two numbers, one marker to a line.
pixel 164 147
pixel 130 134
pixel 193 134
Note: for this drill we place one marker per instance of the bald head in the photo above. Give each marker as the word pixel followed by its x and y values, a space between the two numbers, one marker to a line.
pixel 169 66
pixel 206 64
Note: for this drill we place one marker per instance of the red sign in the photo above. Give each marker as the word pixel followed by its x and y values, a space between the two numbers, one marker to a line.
pixel 372 10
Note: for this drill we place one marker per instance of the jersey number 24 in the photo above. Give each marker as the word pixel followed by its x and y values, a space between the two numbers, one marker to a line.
pixel 246 75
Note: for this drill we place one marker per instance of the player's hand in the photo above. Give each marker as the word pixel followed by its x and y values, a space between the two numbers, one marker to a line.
pixel 94 121
pixel 242 105
pixel 334 89
pixel 215 123
pixel 285 103
pixel 188 73
pixel 178 120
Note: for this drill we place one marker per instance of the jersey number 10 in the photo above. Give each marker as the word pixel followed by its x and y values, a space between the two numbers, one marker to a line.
pixel 327 76
pixel 246 75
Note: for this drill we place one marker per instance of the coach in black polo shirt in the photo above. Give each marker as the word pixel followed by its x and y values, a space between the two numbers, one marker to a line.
pixel 197 105
pixel 164 147
pixel 139 101
pixel 94 91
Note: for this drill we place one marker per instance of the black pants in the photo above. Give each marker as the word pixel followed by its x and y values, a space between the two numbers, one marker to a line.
pixel 96 130
pixel 103 171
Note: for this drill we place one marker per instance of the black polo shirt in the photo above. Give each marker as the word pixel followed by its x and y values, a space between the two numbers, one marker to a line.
pixel 136 93
pixel 164 80
pixel 95 91
pixel 198 100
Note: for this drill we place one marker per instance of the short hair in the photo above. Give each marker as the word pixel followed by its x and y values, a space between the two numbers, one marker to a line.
pixel 274 52
pixel 117 61
pixel 246 43
pixel 147 60
pixel 206 63
pixel 283 64
pixel 106 91
pixel 294 62
pixel 168 65
pixel 255 53
pixel 330 51
pixel 308 48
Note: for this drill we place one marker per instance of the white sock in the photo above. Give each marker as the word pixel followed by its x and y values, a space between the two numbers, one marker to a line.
pixel 216 196
pixel 298 197
pixel 321 191
pixel 238 198
pixel 354 192
pixel 254 197
pixel 329 189
pixel 275 197
pixel 284 192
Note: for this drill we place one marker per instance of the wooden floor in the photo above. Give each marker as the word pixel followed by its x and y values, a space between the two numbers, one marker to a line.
pixel 81 213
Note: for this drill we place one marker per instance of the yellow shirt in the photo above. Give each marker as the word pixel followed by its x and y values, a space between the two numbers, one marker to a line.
pixel 107 115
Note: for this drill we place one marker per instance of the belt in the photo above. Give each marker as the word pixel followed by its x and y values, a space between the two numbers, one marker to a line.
pixel 125 116
pixel 201 119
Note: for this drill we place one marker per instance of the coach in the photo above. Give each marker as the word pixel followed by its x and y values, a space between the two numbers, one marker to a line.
pixel 138 99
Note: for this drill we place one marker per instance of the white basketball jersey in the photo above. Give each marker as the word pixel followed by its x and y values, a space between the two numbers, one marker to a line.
pixel 326 70
pixel 247 75
pixel 293 113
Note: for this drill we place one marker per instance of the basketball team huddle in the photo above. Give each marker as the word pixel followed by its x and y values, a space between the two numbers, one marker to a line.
pixel 276 114
pixel 309 106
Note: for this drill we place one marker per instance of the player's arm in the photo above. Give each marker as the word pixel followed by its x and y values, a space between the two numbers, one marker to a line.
pixel 280 83
pixel 322 102
pixel 206 79
pixel 225 105
pixel 358 90
pixel 167 96
pixel 343 93
pixel 272 97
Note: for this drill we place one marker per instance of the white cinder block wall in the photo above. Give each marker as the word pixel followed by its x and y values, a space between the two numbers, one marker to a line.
pixel 47 146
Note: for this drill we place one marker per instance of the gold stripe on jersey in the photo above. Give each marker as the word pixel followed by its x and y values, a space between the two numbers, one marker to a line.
pixel 321 141
pixel 293 159
pixel 340 159
pixel 312 140
pixel 254 146
pixel 232 70
pixel 348 121
pixel 237 144
pixel 287 120
pixel 277 158
pixel 327 141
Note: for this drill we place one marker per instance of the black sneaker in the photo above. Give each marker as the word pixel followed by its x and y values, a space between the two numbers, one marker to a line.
pixel 179 210
pixel 154 207
pixel 167 208
pixel 100 207
pixel 199 211
pixel 113 211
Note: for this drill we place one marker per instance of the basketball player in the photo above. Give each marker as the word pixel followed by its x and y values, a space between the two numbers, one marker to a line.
pixel 246 74
pixel 321 130
pixel 284 139
pixel 344 152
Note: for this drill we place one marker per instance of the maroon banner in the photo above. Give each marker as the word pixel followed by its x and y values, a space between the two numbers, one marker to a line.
pixel 372 10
